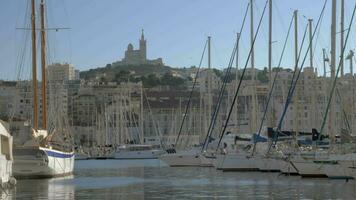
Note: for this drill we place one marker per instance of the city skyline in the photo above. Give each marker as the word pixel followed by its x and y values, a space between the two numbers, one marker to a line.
pixel 100 32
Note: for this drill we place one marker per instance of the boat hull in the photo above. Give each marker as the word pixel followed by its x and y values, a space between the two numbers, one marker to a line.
pixel 145 154
pixel 185 159
pixel 5 169
pixel 288 168
pixel 271 165
pixel 237 162
pixel 340 170
pixel 42 163
pixel 308 168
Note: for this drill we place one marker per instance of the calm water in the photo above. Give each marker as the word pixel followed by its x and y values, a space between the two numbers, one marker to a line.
pixel 152 179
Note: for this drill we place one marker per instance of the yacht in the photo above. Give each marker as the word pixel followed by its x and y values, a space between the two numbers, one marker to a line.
pixel 39 158
pixel 49 151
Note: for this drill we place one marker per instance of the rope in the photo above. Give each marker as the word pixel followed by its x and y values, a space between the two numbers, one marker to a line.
pixel 242 76
pixel 217 108
pixel 153 119
pixel 273 84
pixel 337 73
pixel 191 94
pixel 292 88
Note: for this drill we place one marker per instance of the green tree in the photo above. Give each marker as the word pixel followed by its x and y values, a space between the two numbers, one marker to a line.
pixel 150 81
pixel 263 75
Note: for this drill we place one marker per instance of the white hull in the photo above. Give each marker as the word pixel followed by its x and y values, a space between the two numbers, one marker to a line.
pixel 271 165
pixel 6 157
pixel 340 170
pixel 308 168
pixel 207 161
pixel 287 167
pixel 41 162
pixel 145 154
pixel 5 169
pixel 237 162
pixel 341 166
pixel 182 159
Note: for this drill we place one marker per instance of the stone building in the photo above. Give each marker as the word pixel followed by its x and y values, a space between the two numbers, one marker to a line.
pixel 61 72
pixel 138 56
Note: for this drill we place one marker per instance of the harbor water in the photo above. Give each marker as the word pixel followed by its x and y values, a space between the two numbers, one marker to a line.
pixel 152 179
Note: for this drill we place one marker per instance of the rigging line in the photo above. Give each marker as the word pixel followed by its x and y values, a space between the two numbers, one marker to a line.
pixel 221 93
pixel 155 122
pixel 49 57
pixel 294 81
pixel 273 84
pixel 25 36
pixel 343 110
pixel 294 86
pixel 280 17
pixel 263 32
pixel 317 38
pixel 217 108
pixel 337 73
pixel 242 76
pixel 191 94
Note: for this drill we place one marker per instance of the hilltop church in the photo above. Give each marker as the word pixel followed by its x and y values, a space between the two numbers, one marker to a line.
pixel 139 56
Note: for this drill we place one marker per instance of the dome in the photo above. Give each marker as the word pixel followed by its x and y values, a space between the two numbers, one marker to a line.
pixel 129 47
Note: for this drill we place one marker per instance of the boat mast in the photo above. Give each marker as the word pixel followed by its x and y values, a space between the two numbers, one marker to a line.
pixel 34 67
pixel 271 118
pixel 141 111
pixel 311 42
pixel 253 114
pixel 43 65
pixel 296 98
pixel 332 65
pixel 237 78
pixel 350 58
pixel 325 59
pixel 314 77
pixel 209 81
pixel 342 35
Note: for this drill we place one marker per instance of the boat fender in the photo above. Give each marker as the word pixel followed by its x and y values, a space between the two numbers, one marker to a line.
pixel 12 181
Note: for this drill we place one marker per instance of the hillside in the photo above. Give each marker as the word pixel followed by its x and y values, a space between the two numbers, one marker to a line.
pixel 111 71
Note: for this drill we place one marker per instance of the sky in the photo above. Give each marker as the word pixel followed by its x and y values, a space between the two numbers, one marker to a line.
pixel 176 30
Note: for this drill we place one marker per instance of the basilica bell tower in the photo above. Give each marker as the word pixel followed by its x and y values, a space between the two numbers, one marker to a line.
pixel 143 49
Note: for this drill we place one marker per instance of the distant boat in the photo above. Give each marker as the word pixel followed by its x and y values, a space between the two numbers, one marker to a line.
pixel 137 151
pixel 48 153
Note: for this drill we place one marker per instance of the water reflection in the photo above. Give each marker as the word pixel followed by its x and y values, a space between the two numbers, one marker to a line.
pixel 56 188
pixel 148 179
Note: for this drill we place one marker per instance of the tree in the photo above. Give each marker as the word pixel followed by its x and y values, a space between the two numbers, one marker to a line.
pixel 122 76
pixel 150 81
pixel 262 75
pixel 169 79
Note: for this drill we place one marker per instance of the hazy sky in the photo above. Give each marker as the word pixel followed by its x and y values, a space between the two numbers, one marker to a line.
pixel 176 30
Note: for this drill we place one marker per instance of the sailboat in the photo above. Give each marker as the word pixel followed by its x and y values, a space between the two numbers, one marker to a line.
pixel 132 148
pixel 240 159
pixel 6 158
pixel 188 157
pixel 49 152
pixel 338 161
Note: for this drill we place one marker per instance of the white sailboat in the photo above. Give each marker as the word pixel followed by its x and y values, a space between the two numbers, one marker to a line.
pixel 336 163
pixel 194 156
pixel 6 159
pixel 133 150
pixel 47 154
